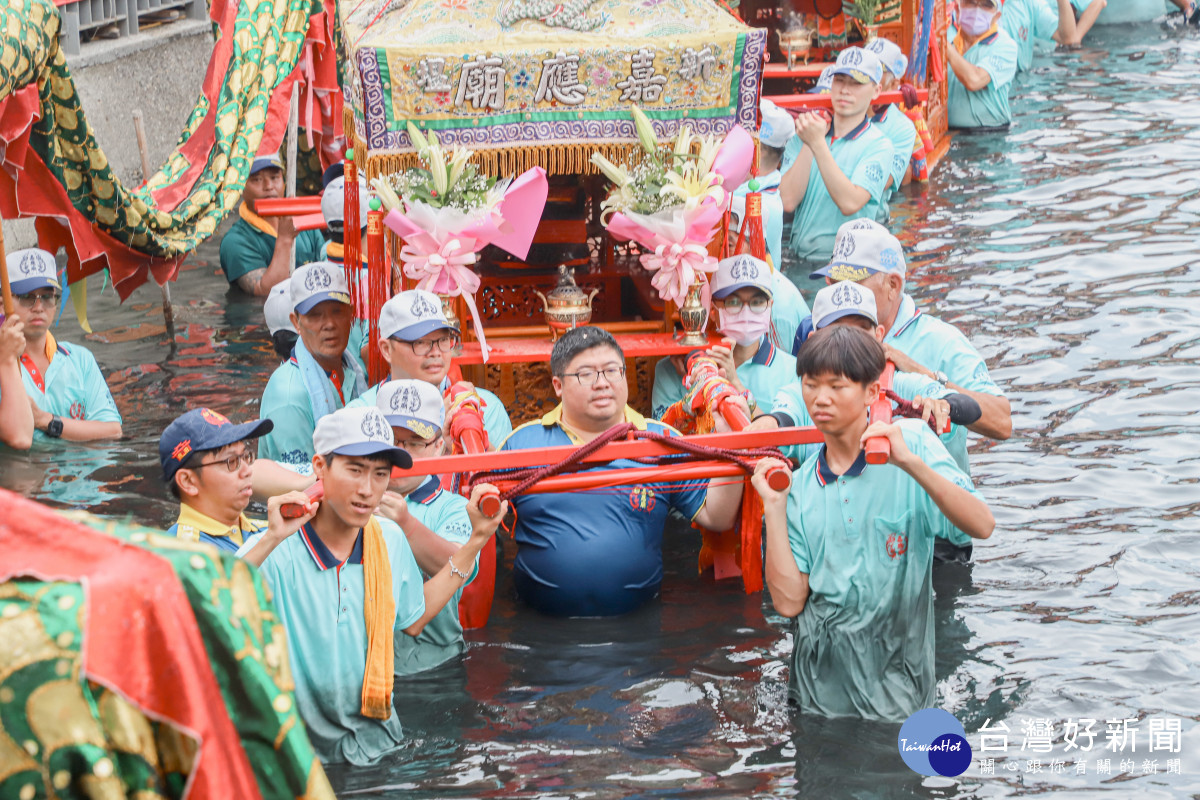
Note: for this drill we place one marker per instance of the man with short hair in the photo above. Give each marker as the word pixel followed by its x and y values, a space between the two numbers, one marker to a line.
pixel 849 546
pixel 896 126
pixel 347 584
pixel 418 343
pixel 843 168
pixel 333 210
pixel 256 253
pixel 599 553
pixel 65 389
pixel 320 377
pixel 983 63
pixel 434 521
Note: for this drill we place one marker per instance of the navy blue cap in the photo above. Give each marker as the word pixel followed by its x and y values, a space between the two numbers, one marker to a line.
pixel 264 162
pixel 202 429
pixel 333 172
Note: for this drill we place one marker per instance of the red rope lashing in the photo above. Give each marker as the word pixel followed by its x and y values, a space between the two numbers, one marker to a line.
pixel 464 419
pixel 905 409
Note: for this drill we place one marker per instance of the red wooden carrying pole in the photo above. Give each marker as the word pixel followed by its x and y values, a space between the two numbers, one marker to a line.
pixel 792 102
pixel 878 448
pixel 579 481
pixel 288 206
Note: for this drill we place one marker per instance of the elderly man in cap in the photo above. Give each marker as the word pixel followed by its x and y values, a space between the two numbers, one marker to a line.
pixel 436 522
pixel 842 170
pixel 918 342
pixel 418 343
pixel 742 293
pixel 889 118
pixel 983 63
pixel 256 252
pixel 64 388
pixel 347 586
pixel 320 376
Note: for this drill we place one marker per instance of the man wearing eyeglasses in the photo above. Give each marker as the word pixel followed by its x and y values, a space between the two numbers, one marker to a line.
pixel 983 63
pixel 599 552
pixel 206 464
pixel 418 342
pixel 742 295
pixel 67 393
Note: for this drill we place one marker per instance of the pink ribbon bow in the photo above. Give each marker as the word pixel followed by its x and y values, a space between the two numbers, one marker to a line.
pixel 446 269
pixel 676 267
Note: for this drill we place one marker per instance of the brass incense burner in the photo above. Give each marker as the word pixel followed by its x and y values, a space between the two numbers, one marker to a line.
pixel 567 306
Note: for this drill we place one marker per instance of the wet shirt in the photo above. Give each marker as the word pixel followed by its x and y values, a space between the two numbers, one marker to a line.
pixel 1025 21
pixel 197 527
pixel 72 386
pixel 763 375
pixel 444 513
pixel 320 601
pixel 597 552
pixel 901 132
pixel 495 417
pixel 988 108
pixel 864 643
pixel 864 155
pixel 246 247
pixel 286 402
pixel 789 408
pixel 772 212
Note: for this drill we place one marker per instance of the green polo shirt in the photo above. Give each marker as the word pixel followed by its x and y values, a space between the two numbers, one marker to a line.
pixel 244 249
pixel 901 132
pixel 988 108
pixel 768 371
pixel 865 156
pixel 72 386
pixel 320 601
pixel 864 644
pixel 444 513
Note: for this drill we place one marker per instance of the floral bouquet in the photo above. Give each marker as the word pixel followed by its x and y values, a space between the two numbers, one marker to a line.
pixel 446 212
pixel 672 202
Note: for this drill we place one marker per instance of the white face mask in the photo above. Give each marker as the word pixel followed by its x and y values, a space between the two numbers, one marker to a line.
pixel 745 327
pixel 975 21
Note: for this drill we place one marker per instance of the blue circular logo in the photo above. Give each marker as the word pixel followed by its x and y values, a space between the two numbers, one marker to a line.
pixel 934 742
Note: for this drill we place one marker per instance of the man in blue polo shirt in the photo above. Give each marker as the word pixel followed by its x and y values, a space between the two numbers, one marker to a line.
pixel 66 391
pixel 418 343
pixel 983 63
pixel 843 168
pixel 896 126
pixel 917 342
pixel 599 553
pixel 435 522
pixel 347 584
pixel 849 547
pixel 742 294
pixel 320 377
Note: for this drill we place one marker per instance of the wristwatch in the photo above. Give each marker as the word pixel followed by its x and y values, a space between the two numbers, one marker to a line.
pixel 54 427
pixel 941 377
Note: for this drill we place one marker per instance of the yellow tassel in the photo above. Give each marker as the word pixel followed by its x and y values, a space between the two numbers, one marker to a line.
pixel 556 159
pixel 79 301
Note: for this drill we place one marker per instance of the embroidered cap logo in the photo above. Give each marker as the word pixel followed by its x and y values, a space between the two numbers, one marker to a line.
pixel 406 400
pixel 375 427
pixel 422 308
pixel 317 279
pixel 744 269
pixel 851 57
pixel 31 263
pixel 844 248
pixel 213 418
pixel 847 295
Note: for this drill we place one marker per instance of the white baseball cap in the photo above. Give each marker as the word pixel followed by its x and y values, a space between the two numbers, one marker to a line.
pixel 333 202
pixel 863 247
pixel 777 127
pixel 361 431
pixel 278 307
pixel 31 269
pixel 738 272
pixel 860 64
pixel 890 55
pixel 843 299
pixel 825 81
pixel 317 282
pixel 414 405
pixel 410 315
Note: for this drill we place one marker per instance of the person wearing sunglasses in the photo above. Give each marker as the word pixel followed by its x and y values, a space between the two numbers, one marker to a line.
pixel 66 391
pixel 418 342
pixel 983 63
pixel 206 465
pixel 743 297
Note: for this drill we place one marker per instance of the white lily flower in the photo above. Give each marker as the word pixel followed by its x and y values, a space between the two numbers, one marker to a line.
pixel 458 162
pixel 387 195
pixel 683 143
pixel 645 131
pixel 418 140
pixel 618 175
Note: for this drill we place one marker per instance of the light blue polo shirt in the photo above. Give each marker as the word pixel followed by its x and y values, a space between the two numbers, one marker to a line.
pixel 1025 21
pixel 444 513
pixel 764 374
pixel 864 644
pixel 286 402
pixel 320 601
pixel 901 132
pixel 75 387
pixel 865 156
pixel 598 552
pixel 772 213
pixel 495 418
pixel 788 309
pixel 987 108
pixel 789 403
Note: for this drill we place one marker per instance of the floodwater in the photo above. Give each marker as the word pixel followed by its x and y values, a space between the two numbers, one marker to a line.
pixel 1067 250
